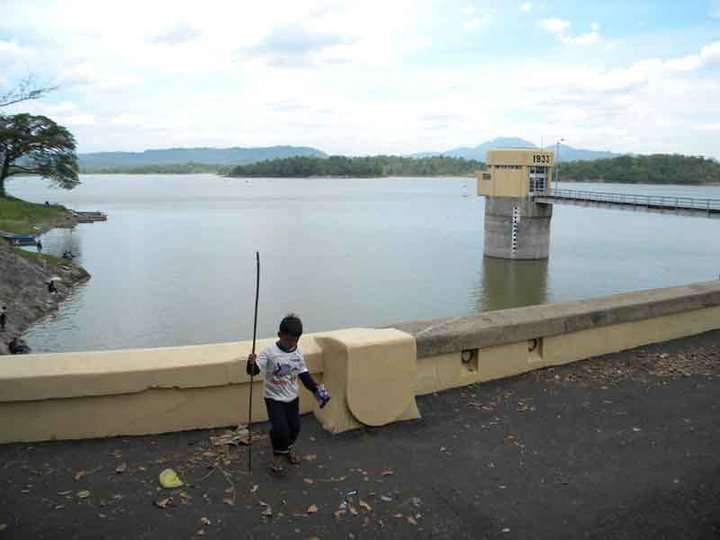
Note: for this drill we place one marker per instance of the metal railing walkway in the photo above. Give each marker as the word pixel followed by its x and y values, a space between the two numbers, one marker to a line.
pixel 651 203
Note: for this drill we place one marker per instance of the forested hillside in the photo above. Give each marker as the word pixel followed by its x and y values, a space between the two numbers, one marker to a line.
pixel 371 166
pixel 652 169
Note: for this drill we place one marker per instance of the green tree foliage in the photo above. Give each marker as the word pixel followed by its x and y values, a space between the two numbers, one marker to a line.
pixel 359 167
pixel 652 169
pixel 36 145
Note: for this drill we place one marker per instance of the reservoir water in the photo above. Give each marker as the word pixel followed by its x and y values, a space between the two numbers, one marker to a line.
pixel 175 262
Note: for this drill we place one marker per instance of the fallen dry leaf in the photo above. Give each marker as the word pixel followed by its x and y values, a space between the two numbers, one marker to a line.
pixel 254 488
pixel 310 457
pixel 312 509
pixel 239 436
pixel 365 506
pixel 308 480
pixel 167 502
pixel 121 468
pixel 68 492
pixel 229 501
pixel 267 512
pixel 84 494
pixel 80 474
pixel 332 479
pixel 411 520
pixel 387 472
pixel 385 498
pixel 205 521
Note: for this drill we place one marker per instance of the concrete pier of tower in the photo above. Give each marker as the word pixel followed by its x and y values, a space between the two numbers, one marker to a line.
pixel 517 228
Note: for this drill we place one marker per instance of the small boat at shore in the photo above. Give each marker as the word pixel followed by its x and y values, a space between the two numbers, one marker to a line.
pixel 19 239
pixel 89 217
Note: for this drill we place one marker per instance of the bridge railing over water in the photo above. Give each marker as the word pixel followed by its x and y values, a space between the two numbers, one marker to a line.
pixel 651 201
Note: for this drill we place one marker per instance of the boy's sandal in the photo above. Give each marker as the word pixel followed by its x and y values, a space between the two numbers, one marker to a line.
pixel 277 468
pixel 293 458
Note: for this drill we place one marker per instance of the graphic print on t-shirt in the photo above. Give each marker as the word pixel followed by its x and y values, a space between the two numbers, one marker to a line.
pixel 281 370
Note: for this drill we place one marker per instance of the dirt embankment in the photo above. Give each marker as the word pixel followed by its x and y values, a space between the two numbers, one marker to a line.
pixel 24 291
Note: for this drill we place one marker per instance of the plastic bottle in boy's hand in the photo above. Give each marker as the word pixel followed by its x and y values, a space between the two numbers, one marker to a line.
pixel 322 396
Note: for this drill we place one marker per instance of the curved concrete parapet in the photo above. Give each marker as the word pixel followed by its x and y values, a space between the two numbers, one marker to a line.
pixel 373 374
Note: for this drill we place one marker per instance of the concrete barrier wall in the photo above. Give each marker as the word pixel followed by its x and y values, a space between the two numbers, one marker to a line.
pixel 372 374
pixel 513 341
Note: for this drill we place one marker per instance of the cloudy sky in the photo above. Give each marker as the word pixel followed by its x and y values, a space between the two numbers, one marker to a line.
pixel 371 76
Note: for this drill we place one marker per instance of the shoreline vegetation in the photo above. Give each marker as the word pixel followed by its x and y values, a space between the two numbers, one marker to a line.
pixel 650 169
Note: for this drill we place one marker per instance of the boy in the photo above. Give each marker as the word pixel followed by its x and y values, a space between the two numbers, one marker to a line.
pixel 281 364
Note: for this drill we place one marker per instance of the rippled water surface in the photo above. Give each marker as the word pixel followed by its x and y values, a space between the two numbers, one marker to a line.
pixel 174 263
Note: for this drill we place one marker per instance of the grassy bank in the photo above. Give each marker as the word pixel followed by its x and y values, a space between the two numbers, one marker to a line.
pixel 52 262
pixel 21 217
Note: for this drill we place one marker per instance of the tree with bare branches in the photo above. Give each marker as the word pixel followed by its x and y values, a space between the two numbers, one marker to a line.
pixel 26 90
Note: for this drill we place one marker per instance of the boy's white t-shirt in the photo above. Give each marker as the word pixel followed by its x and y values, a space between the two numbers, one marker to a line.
pixel 281 370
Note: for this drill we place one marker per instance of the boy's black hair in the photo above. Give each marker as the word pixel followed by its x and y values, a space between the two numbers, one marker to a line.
pixel 291 325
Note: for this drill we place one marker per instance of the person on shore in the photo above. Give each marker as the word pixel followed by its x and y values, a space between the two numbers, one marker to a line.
pixel 18 346
pixel 281 364
pixel 38 245
pixel 51 287
pixel 3 317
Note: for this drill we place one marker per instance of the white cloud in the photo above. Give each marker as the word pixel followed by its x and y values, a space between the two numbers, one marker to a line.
pixel 126 119
pixel 554 25
pixel 527 7
pixel 297 46
pixel 559 28
pixel 182 32
pixel 61 108
pixel 9 48
pixel 709 55
pixel 81 119
pixel 477 21
pixel 368 77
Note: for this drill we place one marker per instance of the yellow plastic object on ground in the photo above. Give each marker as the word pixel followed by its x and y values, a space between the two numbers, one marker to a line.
pixel 169 479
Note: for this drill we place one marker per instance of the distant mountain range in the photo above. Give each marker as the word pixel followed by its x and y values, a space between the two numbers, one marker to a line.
pixel 211 156
pixel 244 156
pixel 479 152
